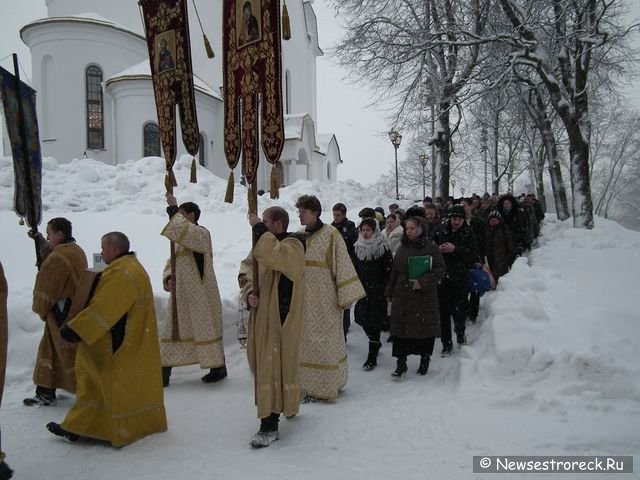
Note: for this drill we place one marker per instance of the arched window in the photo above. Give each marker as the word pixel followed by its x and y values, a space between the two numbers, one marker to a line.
pixel 329 170
pixel 95 108
pixel 151 140
pixel 287 91
pixel 202 158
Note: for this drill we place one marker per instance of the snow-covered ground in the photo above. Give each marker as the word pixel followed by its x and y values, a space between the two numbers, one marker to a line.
pixel 552 366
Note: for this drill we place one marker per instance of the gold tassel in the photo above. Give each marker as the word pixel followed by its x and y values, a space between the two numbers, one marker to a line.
pixel 286 24
pixel 274 190
pixel 169 181
pixel 252 200
pixel 228 197
pixel 194 176
pixel 207 47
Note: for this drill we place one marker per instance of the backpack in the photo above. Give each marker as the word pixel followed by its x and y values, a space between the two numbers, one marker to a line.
pixel 479 281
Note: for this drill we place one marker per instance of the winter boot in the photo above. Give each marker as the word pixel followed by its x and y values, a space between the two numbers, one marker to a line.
pixel 5 472
pixel 461 338
pixel 372 358
pixel 57 430
pixel 401 368
pixel 268 432
pixel 44 397
pixel 424 365
pixel 166 375
pixel 447 349
pixel 215 375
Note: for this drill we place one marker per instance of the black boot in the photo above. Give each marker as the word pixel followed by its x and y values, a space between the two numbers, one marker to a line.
pixel 166 375
pixel 372 358
pixel 215 375
pixel 424 365
pixel 401 368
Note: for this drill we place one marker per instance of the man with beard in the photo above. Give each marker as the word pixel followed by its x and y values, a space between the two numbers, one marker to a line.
pixel 56 284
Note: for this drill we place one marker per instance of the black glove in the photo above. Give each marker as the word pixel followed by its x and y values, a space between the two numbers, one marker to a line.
pixel 69 335
pixel 172 210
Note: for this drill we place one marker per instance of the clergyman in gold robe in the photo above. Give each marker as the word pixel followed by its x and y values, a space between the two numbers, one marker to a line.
pixel 331 286
pixel 56 284
pixel 276 320
pixel 119 397
pixel 199 336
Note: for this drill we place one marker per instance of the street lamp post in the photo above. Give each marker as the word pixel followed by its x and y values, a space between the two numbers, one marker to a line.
pixel 423 161
pixel 396 138
pixel 484 148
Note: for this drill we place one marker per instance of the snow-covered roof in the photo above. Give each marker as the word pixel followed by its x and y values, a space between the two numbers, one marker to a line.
pixel 294 125
pixel 89 18
pixel 142 71
pixel 324 140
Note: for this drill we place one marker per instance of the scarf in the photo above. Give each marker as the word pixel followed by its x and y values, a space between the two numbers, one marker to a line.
pixel 372 248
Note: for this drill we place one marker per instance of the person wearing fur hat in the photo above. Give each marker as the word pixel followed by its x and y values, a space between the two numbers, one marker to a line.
pixel 498 244
pixel 460 251
pixel 373 261
pixel 415 317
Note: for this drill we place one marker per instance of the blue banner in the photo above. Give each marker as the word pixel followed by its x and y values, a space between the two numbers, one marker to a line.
pixel 22 126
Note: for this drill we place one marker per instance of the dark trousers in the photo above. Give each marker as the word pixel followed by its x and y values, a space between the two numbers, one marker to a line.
pixel 346 320
pixel 474 305
pixel 452 301
pixel 402 347
pixel 270 423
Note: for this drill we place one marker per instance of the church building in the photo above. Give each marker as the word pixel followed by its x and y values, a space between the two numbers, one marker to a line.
pixel 90 67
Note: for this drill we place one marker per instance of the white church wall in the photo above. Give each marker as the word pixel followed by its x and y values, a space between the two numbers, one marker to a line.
pixel 126 13
pixel 66 50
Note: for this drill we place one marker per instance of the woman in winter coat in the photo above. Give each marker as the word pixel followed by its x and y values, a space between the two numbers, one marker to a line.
pixel 393 232
pixel 373 261
pixel 498 245
pixel 415 317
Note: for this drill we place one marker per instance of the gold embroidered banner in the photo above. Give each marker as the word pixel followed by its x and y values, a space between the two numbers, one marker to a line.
pixel 252 82
pixel 167 30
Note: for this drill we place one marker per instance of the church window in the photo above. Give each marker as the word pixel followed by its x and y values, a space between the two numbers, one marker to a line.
pixel 151 139
pixel 95 108
pixel 287 91
pixel 329 170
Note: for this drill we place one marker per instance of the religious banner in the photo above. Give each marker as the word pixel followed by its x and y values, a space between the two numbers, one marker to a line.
pixel 19 105
pixel 167 31
pixel 252 83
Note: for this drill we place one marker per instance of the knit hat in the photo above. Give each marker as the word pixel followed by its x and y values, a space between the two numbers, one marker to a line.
pixel 415 211
pixel 427 200
pixel 367 212
pixel 494 214
pixel 457 211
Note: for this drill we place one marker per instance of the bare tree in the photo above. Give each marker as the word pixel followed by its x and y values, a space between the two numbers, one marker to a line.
pixel 559 41
pixel 417 54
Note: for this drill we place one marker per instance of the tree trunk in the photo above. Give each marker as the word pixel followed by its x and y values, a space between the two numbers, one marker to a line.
pixel 444 149
pixel 582 204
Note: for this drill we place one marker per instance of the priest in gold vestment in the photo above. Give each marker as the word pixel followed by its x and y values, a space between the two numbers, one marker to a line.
pixel 119 398
pixel 276 320
pixel 56 284
pixel 331 286
pixel 198 339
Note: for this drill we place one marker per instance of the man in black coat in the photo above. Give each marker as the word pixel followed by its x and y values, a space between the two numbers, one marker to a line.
pixel 349 233
pixel 460 251
pixel 479 229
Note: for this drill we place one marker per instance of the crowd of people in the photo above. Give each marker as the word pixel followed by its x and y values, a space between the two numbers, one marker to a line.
pixel 402 271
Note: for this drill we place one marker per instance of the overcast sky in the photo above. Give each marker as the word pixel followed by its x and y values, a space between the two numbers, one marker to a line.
pixel 342 107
